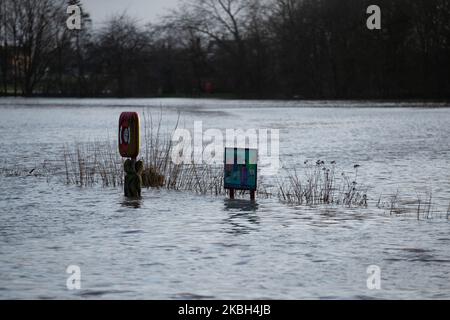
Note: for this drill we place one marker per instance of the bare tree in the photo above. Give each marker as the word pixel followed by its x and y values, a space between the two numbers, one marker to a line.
pixel 224 23
pixel 3 48
pixel 271 48
pixel 120 43
pixel 33 28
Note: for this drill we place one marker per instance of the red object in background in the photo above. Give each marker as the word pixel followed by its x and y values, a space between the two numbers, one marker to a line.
pixel 208 87
pixel 129 135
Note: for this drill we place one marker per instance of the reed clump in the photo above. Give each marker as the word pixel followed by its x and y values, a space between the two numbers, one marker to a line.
pixel 321 185
pixel 160 171
pixel 87 164
pixel 151 178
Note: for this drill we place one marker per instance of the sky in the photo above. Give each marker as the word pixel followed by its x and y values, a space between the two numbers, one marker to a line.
pixel 144 10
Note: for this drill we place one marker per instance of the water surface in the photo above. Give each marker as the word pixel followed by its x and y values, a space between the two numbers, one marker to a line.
pixel 177 245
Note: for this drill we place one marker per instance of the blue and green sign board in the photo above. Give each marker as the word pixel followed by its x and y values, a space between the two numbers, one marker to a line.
pixel 240 169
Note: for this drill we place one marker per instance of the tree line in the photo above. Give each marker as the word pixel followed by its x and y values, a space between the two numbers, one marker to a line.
pixel 238 48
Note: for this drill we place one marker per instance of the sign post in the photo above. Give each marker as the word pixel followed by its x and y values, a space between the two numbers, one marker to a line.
pixel 129 143
pixel 240 170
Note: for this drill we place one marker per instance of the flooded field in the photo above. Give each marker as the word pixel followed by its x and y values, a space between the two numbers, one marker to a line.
pixel 181 245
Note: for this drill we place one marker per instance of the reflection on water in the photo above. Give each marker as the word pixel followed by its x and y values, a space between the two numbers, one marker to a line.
pixel 179 245
pixel 240 205
pixel 132 203
pixel 242 216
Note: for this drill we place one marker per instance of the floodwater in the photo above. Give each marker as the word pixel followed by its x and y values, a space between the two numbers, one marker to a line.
pixel 178 245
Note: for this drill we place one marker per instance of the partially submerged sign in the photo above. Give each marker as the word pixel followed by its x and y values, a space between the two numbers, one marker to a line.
pixel 129 134
pixel 240 169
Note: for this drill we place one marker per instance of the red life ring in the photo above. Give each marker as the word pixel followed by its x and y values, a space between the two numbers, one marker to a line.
pixel 129 134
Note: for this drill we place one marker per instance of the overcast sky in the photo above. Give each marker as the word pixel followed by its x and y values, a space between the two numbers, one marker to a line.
pixel 144 10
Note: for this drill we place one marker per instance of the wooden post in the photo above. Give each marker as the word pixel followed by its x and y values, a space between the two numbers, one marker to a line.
pixel 252 195
pixel 231 193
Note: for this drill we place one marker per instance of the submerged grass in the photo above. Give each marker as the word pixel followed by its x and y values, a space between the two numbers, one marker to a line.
pixel 421 207
pixel 88 164
pixel 100 163
pixel 314 183
pixel 321 185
